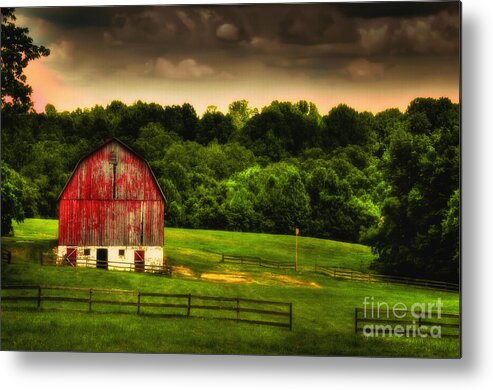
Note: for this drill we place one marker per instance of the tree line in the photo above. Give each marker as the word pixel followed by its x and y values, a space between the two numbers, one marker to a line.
pixel 390 180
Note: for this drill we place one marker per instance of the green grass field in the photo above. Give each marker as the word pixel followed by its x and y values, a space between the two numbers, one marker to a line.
pixel 323 308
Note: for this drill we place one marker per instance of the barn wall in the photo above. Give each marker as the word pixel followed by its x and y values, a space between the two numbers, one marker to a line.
pixel 91 213
pixel 107 223
pixel 93 178
pixel 153 255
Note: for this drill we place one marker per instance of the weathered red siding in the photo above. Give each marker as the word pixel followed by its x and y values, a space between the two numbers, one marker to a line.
pixel 89 214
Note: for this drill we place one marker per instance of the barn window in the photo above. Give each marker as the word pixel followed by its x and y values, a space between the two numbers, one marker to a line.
pixel 113 162
pixel 113 157
pixel 121 252
pixel 87 252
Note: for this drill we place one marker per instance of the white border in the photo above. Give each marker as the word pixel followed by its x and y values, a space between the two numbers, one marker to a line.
pixel 127 371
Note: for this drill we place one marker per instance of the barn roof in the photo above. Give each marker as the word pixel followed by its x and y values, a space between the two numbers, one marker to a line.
pixel 126 147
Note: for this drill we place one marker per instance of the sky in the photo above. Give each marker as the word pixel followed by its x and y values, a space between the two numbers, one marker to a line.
pixel 371 56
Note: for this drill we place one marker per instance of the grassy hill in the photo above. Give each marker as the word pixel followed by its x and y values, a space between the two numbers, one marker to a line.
pixel 201 247
pixel 323 307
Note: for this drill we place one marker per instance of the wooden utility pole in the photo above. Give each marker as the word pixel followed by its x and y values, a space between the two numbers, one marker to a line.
pixel 296 258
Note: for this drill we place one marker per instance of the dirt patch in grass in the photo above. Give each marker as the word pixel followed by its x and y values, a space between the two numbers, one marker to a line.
pixel 290 280
pixel 226 278
pixel 183 271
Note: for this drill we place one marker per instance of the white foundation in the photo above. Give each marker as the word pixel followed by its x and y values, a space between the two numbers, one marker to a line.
pixel 86 256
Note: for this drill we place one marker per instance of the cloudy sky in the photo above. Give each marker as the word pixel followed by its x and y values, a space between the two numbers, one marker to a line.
pixel 371 56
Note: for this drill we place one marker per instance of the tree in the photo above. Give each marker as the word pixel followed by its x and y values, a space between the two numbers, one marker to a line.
pixel 49 170
pixel 271 199
pixel 181 120
pixel 345 126
pixel 341 205
pixel 18 199
pixel 240 114
pixel 17 51
pixel 239 209
pixel 153 141
pixel 282 129
pixel 419 231
pixel 214 125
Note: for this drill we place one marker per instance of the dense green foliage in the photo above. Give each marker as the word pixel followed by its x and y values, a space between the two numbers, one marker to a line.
pixel 18 198
pixel 419 234
pixel 389 179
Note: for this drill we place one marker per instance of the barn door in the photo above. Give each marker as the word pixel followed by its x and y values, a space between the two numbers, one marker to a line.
pixel 139 261
pixel 102 258
pixel 72 256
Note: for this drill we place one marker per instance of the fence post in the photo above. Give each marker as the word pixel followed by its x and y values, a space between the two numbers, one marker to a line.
pixel 237 308
pixel 369 278
pixel 290 316
pixel 222 259
pixel 9 258
pixel 41 259
pixel 90 299
pixel 356 320
pixel 39 297
pixel 189 304
pixel 138 301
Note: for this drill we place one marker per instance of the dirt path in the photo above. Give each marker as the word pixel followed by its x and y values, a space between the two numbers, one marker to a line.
pixel 290 280
pixel 227 278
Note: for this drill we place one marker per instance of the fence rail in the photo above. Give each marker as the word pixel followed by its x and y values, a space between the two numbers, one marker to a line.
pixel 402 322
pixel 6 255
pixel 252 260
pixel 252 311
pixel 375 278
pixel 49 259
pixel 126 266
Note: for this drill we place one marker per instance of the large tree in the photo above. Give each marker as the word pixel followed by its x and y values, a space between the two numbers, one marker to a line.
pixel 419 231
pixel 18 199
pixel 18 50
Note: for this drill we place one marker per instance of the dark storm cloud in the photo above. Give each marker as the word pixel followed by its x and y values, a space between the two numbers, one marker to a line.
pixel 357 40
pixel 434 35
pixel 317 24
pixel 398 9
pixel 72 17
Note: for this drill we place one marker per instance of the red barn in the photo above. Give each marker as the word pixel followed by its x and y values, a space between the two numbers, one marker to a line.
pixel 112 211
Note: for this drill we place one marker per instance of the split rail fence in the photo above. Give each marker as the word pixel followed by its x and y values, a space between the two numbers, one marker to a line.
pixel 251 311
pixel 49 259
pixel 6 255
pixel 251 260
pixel 371 278
pixel 120 265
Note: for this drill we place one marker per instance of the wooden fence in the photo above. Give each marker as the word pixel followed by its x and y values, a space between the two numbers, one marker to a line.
pixel 251 311
pixel 50 259
pixel 164 269
pixel 251 260
pixel 368 277
pixel 6 256
pixel 405 323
